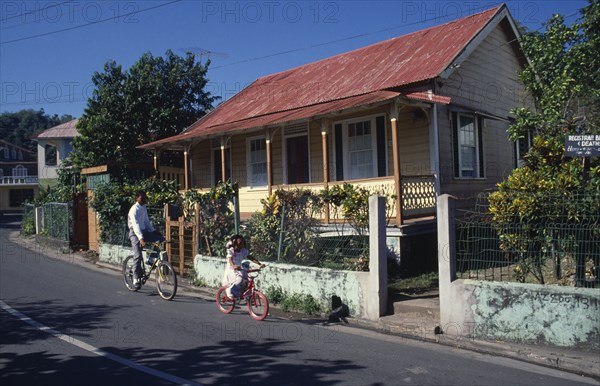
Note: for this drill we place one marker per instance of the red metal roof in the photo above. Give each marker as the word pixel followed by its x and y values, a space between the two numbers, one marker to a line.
pixel 64 130
pixel 389 65
pixel 284 116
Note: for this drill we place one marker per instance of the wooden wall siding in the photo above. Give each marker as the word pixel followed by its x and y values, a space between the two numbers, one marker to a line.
pixel 277 157
pixel 250 200
pixel 238 159
pixel 202 167
pixel 486 81
pixel 413 143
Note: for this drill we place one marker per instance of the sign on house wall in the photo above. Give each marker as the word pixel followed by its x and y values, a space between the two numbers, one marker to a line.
pixel 585 145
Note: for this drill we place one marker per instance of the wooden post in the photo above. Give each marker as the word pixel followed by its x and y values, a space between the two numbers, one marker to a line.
pixel 181 226
pixel 325 164
pixel 223 175
pixel 397 177
pixel 168 231
pixel 269 174
pixel 186 168
pixel 156 162
pixel 196 231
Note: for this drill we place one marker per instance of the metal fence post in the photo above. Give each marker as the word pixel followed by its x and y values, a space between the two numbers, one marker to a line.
pixel 281 230
pixel 236 210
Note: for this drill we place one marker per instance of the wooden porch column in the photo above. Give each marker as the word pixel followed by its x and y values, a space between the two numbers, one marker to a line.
pixel 156 161
pixel 186 167
pixel 397 176
pixel 269 172
pixel 324 130
pixel 223 174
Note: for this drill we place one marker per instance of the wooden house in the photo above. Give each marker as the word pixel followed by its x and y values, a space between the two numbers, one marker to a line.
pixel 423 114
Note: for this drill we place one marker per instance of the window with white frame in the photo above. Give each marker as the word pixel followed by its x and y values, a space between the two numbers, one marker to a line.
pixel 468 145
pixel 522 146
pixel 19 171
pixel 257 161
pixel 360 148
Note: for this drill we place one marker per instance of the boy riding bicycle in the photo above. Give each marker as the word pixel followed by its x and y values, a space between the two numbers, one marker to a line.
pixel 141 232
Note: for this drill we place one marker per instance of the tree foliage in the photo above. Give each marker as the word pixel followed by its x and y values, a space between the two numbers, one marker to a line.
pixel 112 202
pixel 155 98
pixel 564 82
pixel 18 127
pixel 563 79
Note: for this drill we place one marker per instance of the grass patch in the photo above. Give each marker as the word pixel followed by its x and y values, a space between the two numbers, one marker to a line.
pixel 303 303
pixel 195 280
pixel 418 284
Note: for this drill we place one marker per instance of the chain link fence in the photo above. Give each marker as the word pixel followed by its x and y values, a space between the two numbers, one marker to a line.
pixel 558 242
pixel 294 235
pixel 58 220
pixel 28 222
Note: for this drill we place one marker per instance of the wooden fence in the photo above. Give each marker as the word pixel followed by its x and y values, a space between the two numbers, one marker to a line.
pixel 182 237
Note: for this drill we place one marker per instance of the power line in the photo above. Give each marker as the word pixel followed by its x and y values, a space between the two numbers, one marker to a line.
pixel 34 11
pixel 88 24
pixel 341 40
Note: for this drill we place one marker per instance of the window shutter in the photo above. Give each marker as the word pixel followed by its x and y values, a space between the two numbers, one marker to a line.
pixel 339 153
pixel 454 122
pixel 381 154
pixel 480 146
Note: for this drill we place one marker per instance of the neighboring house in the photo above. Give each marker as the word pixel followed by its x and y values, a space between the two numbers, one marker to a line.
pixel 18 176
pixel 423 114
pixel 54 145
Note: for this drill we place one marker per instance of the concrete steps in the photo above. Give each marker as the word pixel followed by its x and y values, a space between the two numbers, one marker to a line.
pixel 426 308
pixel 417 315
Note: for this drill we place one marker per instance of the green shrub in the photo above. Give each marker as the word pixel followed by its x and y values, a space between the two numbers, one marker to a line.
pixel 27 226
pixel 304 303
pixel 215 218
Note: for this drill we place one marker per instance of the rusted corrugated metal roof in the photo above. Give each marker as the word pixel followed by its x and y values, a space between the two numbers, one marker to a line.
pixel 393 64
pixel 283 116
pixel 64 130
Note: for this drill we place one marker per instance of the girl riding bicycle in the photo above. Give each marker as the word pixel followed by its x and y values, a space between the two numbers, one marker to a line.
pixel 236 276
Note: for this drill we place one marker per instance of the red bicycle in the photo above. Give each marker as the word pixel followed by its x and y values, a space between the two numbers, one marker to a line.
pixel 258 305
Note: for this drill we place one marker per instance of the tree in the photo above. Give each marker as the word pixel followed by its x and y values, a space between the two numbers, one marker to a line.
pixel 563 79
pixel 156 98
pixel 564 82
pixel 18 127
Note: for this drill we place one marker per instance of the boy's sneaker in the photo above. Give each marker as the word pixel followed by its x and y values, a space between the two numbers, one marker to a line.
pixel 137 283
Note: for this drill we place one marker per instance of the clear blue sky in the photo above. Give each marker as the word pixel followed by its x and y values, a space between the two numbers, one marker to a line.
pixel 44 67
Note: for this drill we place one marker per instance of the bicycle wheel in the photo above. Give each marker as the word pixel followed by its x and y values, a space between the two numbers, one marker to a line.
pixel 225 304
pixel 128 273
pixel 258 306
pixel 166 280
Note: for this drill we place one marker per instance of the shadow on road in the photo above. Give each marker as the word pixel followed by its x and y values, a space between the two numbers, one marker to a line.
pixel 227 361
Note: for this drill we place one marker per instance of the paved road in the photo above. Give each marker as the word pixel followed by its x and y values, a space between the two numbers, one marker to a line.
pixel 66 322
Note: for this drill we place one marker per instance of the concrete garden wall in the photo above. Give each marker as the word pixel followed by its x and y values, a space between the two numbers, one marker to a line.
pixel 113 254
pixel 320 283
pixel 530 313
pixel 562 316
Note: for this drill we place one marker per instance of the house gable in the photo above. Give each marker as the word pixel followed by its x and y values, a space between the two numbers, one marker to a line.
pixel 484 85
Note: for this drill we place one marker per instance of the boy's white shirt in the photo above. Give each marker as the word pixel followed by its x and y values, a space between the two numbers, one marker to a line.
pixel 138 220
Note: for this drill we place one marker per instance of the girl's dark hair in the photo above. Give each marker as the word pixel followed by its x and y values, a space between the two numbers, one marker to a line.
pixel 235 237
